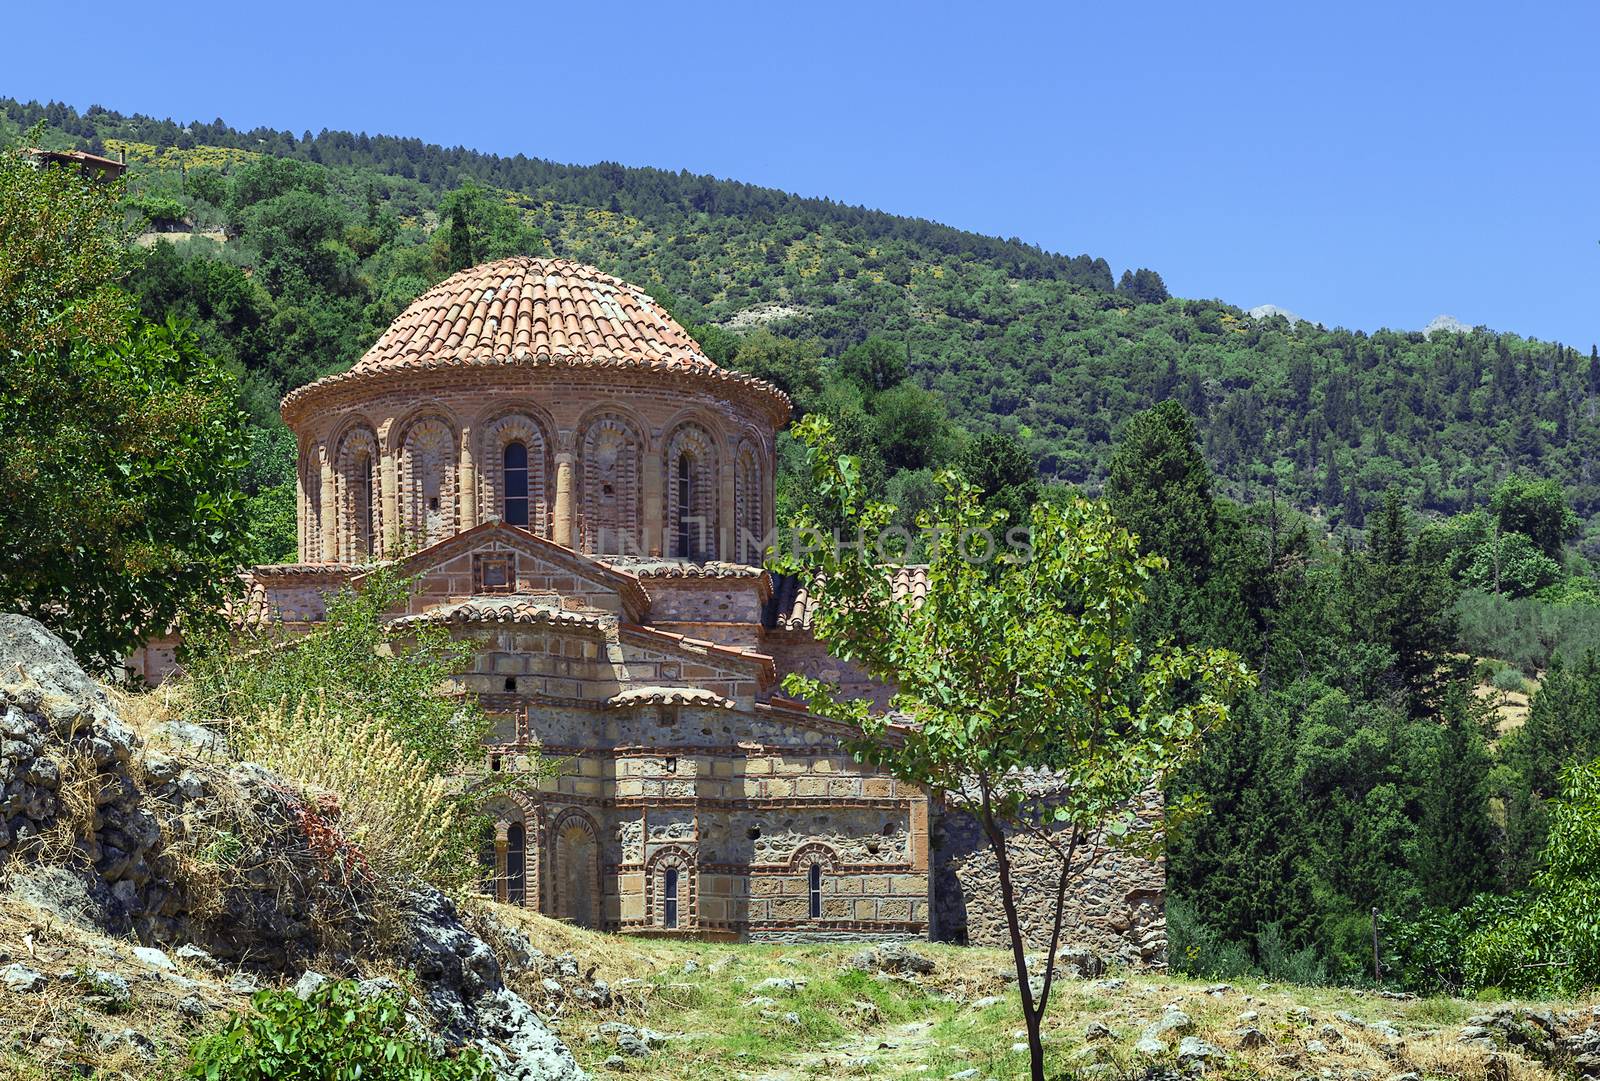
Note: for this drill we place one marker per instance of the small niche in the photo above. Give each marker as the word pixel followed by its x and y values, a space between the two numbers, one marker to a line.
pixel 672 764
pixel 494 763
pixel 754 833
pixel 511 683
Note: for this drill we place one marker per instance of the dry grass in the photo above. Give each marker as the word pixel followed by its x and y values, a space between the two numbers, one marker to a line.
pixel 369 799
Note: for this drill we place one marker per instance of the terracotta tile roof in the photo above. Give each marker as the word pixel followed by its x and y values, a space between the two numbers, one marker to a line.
pixel 665 568
pixel 504 610
pixel 793 606
pixel 669 696
pixel 549 307
pixel 301 570
pixel 534 312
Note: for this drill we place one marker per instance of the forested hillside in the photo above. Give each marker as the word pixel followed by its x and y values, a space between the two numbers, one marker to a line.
pixel 330 235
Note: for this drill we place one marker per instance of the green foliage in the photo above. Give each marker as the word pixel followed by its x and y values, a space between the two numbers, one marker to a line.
pixel 1537 509
pixel 352 665
pixel 1509 563
pixel 1004 475
pixel 1509 679
pixel 121 446
pixel 1161 489
pixel 1547 942
pixel 335 1034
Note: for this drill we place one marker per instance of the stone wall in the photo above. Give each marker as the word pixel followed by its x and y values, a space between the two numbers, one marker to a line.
pixel 1116 909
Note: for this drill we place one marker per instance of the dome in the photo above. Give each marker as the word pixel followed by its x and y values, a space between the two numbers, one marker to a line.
pixel 525 306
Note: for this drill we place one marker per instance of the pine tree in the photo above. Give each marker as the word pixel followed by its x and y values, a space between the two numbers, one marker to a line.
pixel 461 256
pixel 1455 837
pixel 1332 482
pixel 1355 516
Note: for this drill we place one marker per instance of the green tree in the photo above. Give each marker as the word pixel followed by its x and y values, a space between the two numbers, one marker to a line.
pixel 1003 473
pixel 461 256
pixel 121 445
pixel 1538 510
pixel 1028 664
pixel 1546 940
pixel 1455 838
pixel 1160 488
pixel 876 364
pixel 1400 602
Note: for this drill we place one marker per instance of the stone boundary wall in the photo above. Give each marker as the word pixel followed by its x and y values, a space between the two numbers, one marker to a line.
pixel 1116 910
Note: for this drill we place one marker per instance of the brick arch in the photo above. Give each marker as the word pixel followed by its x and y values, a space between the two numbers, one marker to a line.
pixel 750 515
pixel 814 852
pixel 691 461
pixel 610 473
pixel 518 425
pixel 310 499
pixel 573 845
pixel 513 867
pixel 821 858
pixel 358 493
pixel 655 885
pixel 429 469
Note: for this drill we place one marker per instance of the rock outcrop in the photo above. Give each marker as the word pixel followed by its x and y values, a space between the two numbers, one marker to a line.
pixel 101 831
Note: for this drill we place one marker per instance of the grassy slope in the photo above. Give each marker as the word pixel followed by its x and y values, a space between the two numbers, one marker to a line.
pixel 847 1023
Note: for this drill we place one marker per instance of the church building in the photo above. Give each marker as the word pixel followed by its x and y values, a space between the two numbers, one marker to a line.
pixel 586 495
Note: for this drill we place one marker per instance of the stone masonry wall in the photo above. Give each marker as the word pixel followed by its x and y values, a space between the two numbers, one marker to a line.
pixel 1116 909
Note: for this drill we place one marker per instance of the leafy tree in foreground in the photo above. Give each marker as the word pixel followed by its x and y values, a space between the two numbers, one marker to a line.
pixel 121 444
pixel 1027 661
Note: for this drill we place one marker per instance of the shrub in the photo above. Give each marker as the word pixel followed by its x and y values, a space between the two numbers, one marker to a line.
pixel 1510 679
pixel 334 1035
pixel 1525 631
pixel 369 801
pixel 1198 950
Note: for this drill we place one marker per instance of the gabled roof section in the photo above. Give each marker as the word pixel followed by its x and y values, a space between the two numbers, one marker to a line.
pixel 492 535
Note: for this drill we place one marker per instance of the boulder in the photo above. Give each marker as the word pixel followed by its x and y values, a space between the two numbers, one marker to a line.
pixel 892 957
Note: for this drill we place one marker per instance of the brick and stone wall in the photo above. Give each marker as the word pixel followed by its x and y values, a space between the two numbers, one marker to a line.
pixel 1116 909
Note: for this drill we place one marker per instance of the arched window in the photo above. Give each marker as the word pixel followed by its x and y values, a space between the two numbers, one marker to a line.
pixel 814 887
pixel 692 517
pixel 515 509
pixel 516 860
pixel 684 546
pixel 669 900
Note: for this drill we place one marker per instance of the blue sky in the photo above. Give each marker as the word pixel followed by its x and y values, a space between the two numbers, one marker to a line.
pixel 1361 164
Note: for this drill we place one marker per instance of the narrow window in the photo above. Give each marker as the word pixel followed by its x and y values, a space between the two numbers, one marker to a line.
pixel 816 891
pixel 669 902
pixel 515 511
pixel 366 509
pixel 672 764
pixel 685 504
pixel 516 880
